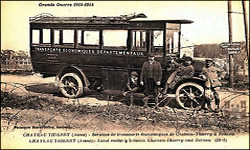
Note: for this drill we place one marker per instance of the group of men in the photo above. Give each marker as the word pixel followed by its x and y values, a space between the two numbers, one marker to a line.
pixel 151 76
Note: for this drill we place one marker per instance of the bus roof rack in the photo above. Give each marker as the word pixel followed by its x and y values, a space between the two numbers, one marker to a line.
pixel 119 20
pixel 46 18
pixel 38 17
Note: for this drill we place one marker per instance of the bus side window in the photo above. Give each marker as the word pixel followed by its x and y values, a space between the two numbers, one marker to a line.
pixel 115 39
pixel 64 37
pixel 46 36
pixel 68 36
pixel 57 37
pixel 41 37
pixel 172 41
pixel 139 40
pixel 158 42
pixel 35 36
pixel 88 38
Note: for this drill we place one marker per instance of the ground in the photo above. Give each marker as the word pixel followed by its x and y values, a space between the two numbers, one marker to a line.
pixel 34 101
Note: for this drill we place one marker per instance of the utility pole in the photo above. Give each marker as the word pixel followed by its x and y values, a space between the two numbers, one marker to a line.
pixel 231 75
pixel 246 35
pixel 246 26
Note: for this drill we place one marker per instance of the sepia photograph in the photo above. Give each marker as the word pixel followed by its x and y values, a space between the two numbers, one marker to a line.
pixel 125 74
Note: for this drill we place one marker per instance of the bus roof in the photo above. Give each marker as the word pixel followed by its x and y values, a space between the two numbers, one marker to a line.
pixel 178 21
pixel 99 20
pixel 81 20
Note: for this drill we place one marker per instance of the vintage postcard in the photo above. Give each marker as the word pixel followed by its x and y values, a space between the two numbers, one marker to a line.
pixel 124 74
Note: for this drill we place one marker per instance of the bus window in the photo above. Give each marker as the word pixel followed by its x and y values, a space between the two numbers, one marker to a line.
pixel 64 37
pixel 88 38
pixel 68 36
pixel 35 36
pixel 139 40
pixel 115 38
pixel 46 35
pixel 57 36
pixel 172 41
pixel 176 39
pixel 158 42
pixel 172 38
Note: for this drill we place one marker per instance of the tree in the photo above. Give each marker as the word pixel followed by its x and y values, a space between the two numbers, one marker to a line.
pixel 208 50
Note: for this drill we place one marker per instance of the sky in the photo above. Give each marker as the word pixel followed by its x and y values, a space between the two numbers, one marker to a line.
pixel 210 17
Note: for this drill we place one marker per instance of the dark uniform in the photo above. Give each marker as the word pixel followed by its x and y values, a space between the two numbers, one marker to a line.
pixel 151 75
pixel 132 86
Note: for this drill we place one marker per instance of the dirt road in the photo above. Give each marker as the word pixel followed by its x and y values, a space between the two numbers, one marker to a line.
pixel 37 102
pixel 36 85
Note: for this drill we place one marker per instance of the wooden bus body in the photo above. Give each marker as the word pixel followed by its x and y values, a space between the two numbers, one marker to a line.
pixel 100 51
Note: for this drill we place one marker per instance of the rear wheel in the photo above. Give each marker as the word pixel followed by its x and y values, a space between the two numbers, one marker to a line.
pixel 71 85
pixel 190 95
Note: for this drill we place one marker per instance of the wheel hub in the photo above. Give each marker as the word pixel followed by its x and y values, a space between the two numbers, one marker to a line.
pixel 192 96
pixel 71 84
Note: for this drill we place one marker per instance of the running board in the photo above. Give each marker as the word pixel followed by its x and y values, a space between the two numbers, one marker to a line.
pixel 170 96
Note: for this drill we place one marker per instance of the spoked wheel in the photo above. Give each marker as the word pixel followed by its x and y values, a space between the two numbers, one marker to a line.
pixel 190 96
pixel 71 85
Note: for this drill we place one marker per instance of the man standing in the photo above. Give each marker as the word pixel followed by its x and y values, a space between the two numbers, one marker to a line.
pixel 212 75
pixel 150 78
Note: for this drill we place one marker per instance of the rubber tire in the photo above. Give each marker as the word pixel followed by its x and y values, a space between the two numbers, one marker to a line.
pixel 177 92
pixel 79 82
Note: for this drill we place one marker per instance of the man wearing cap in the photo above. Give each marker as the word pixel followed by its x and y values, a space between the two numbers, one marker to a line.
pixel 132 86
pixel 184 70
pixel 150 78
pixel 212 74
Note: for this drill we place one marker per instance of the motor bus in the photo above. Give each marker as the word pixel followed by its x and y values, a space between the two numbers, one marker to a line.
pixel 102 51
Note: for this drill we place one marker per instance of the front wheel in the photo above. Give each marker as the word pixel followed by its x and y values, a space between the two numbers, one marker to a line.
pixel 190 96
pixel 71 85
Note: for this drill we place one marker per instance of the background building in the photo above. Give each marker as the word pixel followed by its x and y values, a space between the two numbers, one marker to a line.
pixel 12 61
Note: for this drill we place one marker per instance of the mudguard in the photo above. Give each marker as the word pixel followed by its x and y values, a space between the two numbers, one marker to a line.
pixel 73 69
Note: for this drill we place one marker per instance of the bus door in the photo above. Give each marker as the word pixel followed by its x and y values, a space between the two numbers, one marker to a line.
pixel 172 47
pixel 172 40
pixel 157 46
